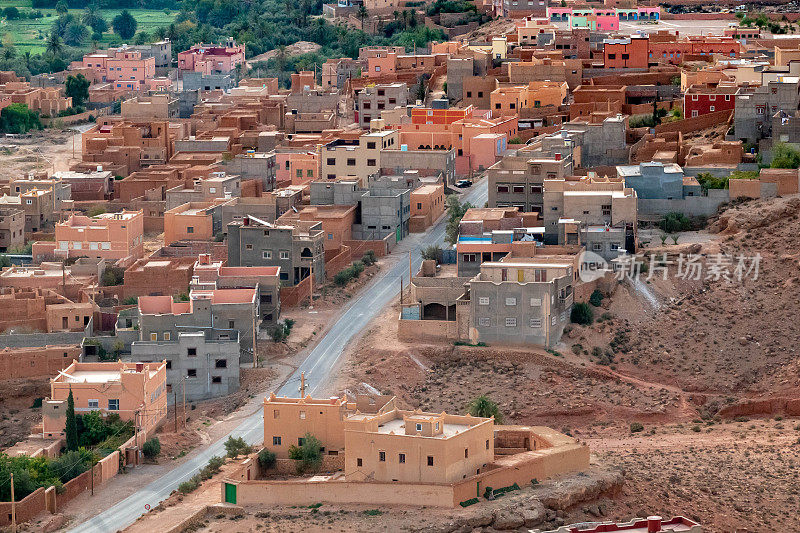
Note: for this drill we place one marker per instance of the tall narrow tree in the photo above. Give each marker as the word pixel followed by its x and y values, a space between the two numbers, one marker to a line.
pixel 72 424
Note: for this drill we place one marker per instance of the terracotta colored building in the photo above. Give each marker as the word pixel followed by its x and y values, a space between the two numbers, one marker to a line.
pixel 628 52
pixel 43 310
pixel 427 205
pixel 194 221
pixel 125 69
pixel 110 236
pixel 159 276
pixel 134 391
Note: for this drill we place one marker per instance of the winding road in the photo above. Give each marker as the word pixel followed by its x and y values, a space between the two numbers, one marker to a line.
pixel 318 367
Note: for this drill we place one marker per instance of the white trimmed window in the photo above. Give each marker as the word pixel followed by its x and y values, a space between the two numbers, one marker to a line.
pixel 536 322
pixel 483 322
pixel 511 322
pixel 536 302
pixel 511 301
pixel 483 300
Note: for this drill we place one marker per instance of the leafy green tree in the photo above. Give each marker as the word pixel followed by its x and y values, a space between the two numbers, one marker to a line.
pixel 61 7
pixel 77 87
pixel 17 118
pixel 596 298
pixel 308 454
pixel 456 211
pixel 266 459
pixel 71 464
pixel 11 13
pixel 581 314
pixel 484 407
pixel 674 222
pixel 124 25
pixel 235 447
pixel 72 427
pixel 785 156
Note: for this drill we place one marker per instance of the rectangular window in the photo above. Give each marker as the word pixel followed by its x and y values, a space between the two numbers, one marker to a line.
pixel 266 254
pixel 430 460
pixel 382 457
pixel 466 453
pixel 487 444
pixel 359 462
pixel 302 415
pixel 189 229
pixel 191 373
pixel 536 322
pixel 401 458
pixel 191 352
pixel 113 405
pixel 94 404
pixel 483 300
pixel 231 324
pixel 276 413
pixel 276 441
pixel 371 162
pixel 331 161
pixel 470 258
pixel 284 254
pixel 221 363
pixel 154 336
pixel 511 322
pixel 216 379
pixel 518 189
pixel 485 322
pixel 502 189
pixel 351 162
pixel 371 145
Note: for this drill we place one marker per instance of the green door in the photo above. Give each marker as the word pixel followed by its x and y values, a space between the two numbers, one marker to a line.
pixel 230 493
pixel 397 235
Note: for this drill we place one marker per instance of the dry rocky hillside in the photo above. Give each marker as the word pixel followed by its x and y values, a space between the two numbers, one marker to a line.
pixel 691 361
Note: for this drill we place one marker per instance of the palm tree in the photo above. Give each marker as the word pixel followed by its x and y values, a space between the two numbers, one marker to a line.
pixel 362 14
pixel 484 407
pixel 54 45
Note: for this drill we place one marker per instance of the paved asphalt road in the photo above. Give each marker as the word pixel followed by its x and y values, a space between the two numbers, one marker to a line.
pixel 317 366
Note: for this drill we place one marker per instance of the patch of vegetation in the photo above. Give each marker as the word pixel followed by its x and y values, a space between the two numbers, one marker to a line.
pixel 636 427
pixel 112 276
pixel 432 252
pixel 280 332
pixel 785 156
pixel 596 298
pixel 369 258
pixel 484 407
pixel 31 473
pixel 343 277
pixel 17 118
pixel 581 314
pixel 455 212
pixel 234 447
pixel 151 448
pixel 674 222
pixel 266 459
pixel 308 455
pixel 373 512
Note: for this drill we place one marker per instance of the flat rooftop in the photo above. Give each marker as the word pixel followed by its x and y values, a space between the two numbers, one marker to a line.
pixel 398 425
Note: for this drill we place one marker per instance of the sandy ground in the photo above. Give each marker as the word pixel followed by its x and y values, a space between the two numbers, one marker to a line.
pixel 47 150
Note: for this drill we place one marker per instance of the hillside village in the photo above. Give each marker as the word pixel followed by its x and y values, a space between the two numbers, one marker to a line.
pixel 519 266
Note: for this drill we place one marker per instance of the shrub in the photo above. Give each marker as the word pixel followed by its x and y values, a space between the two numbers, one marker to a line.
pixel 189 486
pixel 674 222
pixel 358 268
pixel 596 298
pixel 369 258
pixel 266 459
pixel 581 314
pixel 213 466
pixel 151 448
pixel 636 427
pixel 235 447
pixel 484 407
pixel 130 300
pixel 432 252
pixel 308 454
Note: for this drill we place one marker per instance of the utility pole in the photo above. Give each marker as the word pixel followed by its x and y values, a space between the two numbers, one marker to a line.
pixel 92 478
pixel 175 405
pixel 302 384
pixel 64 277
pixel 401 290
pixel 255 335
pixel 13 507
pixel 183 382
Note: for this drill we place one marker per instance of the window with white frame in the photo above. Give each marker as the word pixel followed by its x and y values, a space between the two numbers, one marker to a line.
pixel 536 322
pixel 511 301
pixel 113 404
pixel 284 254
pixel 94 404
pixel 484 322
pixel 511 322
pixel 105 245
pixel 483 300
pixel 266 254
pixel 536 302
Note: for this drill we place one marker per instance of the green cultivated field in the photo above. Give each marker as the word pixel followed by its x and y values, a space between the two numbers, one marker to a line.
pixel 31 34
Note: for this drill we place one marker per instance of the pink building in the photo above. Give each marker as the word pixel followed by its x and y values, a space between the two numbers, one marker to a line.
pixel 381 64
pixel 125 69
pixel 107 236
pixel 211 59
pixel 297 167
pixel 459 135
